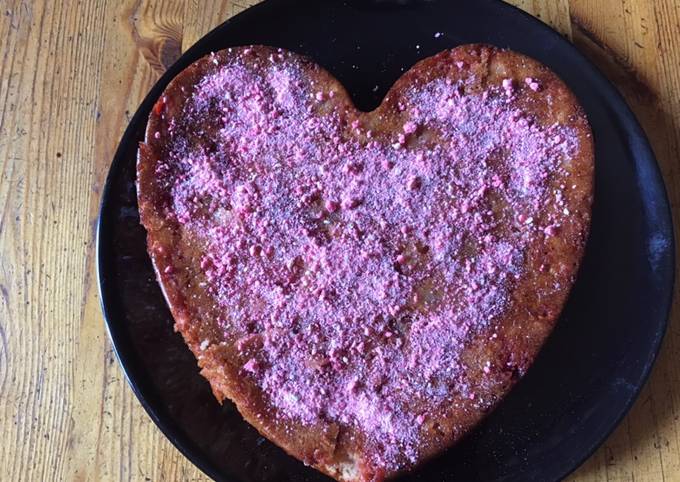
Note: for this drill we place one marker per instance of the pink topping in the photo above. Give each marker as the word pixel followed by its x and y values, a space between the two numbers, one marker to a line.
pixel 509 86
pixel 369 290
pixel 551 230
pixel 410 127
pixel 331 206
pixel 252 366
pixel 533 85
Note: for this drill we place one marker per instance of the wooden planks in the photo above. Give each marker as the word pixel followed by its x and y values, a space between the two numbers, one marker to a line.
pixel 636 45
pixel 70 75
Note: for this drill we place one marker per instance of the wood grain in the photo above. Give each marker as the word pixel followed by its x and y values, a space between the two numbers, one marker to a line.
pixel 70 75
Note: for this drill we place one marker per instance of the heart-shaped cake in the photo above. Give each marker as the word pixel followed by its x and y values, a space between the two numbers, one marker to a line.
pixel 365 286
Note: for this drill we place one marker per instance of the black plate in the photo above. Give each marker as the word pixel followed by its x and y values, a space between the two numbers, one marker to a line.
pixel 591 368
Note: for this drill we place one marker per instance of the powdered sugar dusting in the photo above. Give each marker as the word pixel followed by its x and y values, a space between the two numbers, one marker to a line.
pixel 362 263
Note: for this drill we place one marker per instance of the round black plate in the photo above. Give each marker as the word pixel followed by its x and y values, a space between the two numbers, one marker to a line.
pixel 591 368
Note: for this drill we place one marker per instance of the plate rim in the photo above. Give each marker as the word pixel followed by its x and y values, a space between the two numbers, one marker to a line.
pixel 111 314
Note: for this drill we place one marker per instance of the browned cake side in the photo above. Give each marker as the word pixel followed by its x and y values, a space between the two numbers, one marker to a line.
pixel 496 232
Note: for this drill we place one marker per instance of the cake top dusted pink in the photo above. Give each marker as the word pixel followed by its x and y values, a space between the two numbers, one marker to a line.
pixel 344 266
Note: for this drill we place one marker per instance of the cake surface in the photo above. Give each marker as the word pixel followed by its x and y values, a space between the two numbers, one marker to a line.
pixel 365 287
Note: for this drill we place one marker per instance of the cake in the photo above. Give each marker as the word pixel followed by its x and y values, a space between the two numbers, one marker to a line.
pixel 365 286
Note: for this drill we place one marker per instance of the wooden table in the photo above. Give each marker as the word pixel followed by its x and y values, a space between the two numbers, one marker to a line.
pixel 70 75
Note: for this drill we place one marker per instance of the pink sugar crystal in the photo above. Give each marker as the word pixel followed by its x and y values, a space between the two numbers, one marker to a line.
pixel 533 84
pixel 410 127
pixel 331 206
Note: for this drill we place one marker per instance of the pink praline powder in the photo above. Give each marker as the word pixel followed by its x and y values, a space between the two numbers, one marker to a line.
pixel 362 268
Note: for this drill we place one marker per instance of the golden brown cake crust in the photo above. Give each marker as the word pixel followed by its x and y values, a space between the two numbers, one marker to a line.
pixel 493 357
